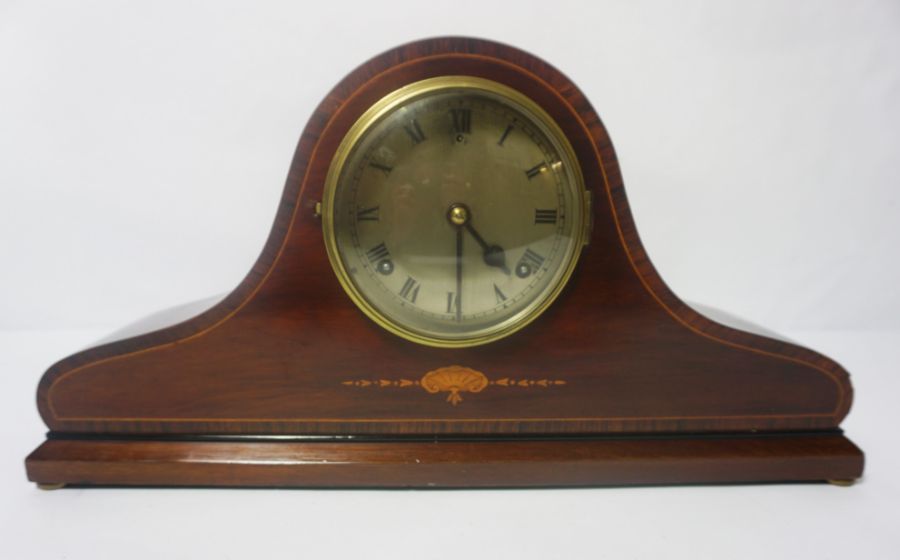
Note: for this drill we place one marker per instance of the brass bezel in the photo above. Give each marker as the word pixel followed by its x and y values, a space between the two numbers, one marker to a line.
pixel 372 116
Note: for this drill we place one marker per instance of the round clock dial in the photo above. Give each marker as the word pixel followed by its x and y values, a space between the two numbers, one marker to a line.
pixel 454 211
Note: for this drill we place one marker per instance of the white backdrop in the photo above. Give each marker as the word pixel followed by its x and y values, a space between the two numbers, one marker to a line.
pixel 144 146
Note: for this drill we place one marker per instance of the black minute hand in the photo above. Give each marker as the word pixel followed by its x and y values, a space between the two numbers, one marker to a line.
pixel 493 254
pixel 459 259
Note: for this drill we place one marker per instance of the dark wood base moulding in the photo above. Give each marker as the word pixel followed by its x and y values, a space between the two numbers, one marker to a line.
pixel 448 463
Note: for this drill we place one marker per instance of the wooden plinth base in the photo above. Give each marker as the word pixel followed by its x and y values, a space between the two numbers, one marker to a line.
pixel 447 463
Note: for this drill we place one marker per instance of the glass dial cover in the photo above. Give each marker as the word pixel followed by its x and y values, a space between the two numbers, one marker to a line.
pixel 454 211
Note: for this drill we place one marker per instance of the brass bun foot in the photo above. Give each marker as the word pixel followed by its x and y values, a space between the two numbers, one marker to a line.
pixel 50 485
pixel 842 481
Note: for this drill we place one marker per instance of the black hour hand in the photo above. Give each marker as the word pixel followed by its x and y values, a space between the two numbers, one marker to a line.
pixel 493 254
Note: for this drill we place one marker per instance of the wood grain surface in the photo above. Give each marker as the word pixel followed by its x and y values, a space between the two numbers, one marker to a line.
pixel 448 464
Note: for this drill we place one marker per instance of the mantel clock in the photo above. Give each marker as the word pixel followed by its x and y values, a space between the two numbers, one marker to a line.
pixel 453 294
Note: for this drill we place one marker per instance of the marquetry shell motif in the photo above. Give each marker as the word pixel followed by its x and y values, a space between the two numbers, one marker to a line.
pixel 455 380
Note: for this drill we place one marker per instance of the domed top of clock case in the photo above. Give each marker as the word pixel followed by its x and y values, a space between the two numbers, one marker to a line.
pixel 288 352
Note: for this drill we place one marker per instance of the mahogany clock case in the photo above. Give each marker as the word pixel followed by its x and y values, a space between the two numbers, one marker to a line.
pixel 286 383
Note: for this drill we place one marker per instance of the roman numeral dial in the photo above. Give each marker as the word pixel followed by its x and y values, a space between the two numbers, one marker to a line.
pixel 499 296
pixel 503 136
pixel 410 289
pixel 462 120
pixel 382 167
pixel 455 213
pixel 546 216
pixel 414 131
pixel 536 170
pixel 368 214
